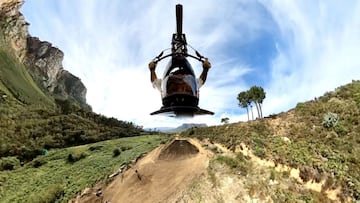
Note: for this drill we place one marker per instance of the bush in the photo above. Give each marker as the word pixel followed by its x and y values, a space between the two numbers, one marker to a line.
pixel 9 163
pixel 229 161
pixel 116 152
pixel 38 162
pixel 124 148
pixel 93 148
pixel 330 120
pixel 76 156
pixel 52 194
pixel 341 130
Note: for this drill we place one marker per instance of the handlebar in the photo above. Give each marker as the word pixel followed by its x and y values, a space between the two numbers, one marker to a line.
pixel 160 57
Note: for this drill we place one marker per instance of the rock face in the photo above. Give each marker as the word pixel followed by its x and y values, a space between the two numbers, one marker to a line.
pixel 13 27
pixel 43 61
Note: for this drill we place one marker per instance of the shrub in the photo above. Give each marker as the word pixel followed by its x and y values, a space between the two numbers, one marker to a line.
pixel 272 174
pixel 259 152
pixel 76 156
pixel 237 163
pixel 229 161
pixel 330 120
pixel 300 106
pixel 116 152
pixel 341 130
pixel 9 163
pixel 124 148
pixel 38 162
pixel 52 194
pixel 191 132
pixel 93 148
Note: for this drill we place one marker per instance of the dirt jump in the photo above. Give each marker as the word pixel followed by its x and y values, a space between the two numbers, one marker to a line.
pixel 160 176
pixel 180 171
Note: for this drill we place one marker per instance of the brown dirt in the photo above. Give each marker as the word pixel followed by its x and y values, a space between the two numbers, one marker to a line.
pixel 158 177
pixel 178 149
pixel 180 172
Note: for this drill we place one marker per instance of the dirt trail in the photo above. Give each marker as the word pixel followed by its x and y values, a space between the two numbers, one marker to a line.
pixel 184 171
pixel 161 174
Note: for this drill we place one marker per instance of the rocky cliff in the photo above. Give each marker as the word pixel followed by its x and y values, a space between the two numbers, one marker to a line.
pixel 13 27
pixel 43 60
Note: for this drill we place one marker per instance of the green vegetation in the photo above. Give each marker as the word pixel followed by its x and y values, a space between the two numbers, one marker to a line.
pixel 31 121
pixel 225 120
pixel 56 179
pixel 319 152
pixel 16 82
pixel 255 95
pixel 36 128
pixel 26 131
pixel 9 163
pixel 330 120
pixel 238 163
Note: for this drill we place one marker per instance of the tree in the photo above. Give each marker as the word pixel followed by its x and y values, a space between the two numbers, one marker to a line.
pixel 261 99
pixel 257 95
pixel 260 96
pixel 244 101
pixel 252 113
pixel 254 93
pixel 225 120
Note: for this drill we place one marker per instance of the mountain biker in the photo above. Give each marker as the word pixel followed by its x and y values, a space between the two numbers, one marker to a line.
pixel 156 82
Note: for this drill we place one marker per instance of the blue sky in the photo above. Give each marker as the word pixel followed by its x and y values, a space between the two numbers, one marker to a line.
pixel 296 50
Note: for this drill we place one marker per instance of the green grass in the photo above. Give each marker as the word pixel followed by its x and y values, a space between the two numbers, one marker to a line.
pixel 52 177
pixel 239 163
pixel 16 79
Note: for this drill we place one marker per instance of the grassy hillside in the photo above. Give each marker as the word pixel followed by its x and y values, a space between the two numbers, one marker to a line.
pixel 56 177
pixel 31 121
pixel 35 131
pixel 330 153
pixel 16 82
pixel 26 130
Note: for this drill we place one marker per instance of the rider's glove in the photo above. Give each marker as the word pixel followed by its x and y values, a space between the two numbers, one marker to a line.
pixel 206 64
pixel 152 65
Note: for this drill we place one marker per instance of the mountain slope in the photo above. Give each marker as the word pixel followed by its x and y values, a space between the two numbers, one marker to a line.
pixel 17 83
pixel 61 173
pixel 42 106
pixel 300 140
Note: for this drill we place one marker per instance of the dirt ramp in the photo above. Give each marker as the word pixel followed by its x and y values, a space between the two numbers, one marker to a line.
pixel 178 149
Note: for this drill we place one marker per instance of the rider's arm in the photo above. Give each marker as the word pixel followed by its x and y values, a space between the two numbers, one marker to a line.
pixel 154 80
pixel 206 67
pixel 152 66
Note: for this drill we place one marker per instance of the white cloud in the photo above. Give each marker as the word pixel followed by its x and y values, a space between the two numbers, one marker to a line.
pixel 108 44
pixel 318 51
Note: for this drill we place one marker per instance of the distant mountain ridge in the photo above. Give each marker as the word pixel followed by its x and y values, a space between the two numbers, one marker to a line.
pixel 186 126
pixel 181 128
